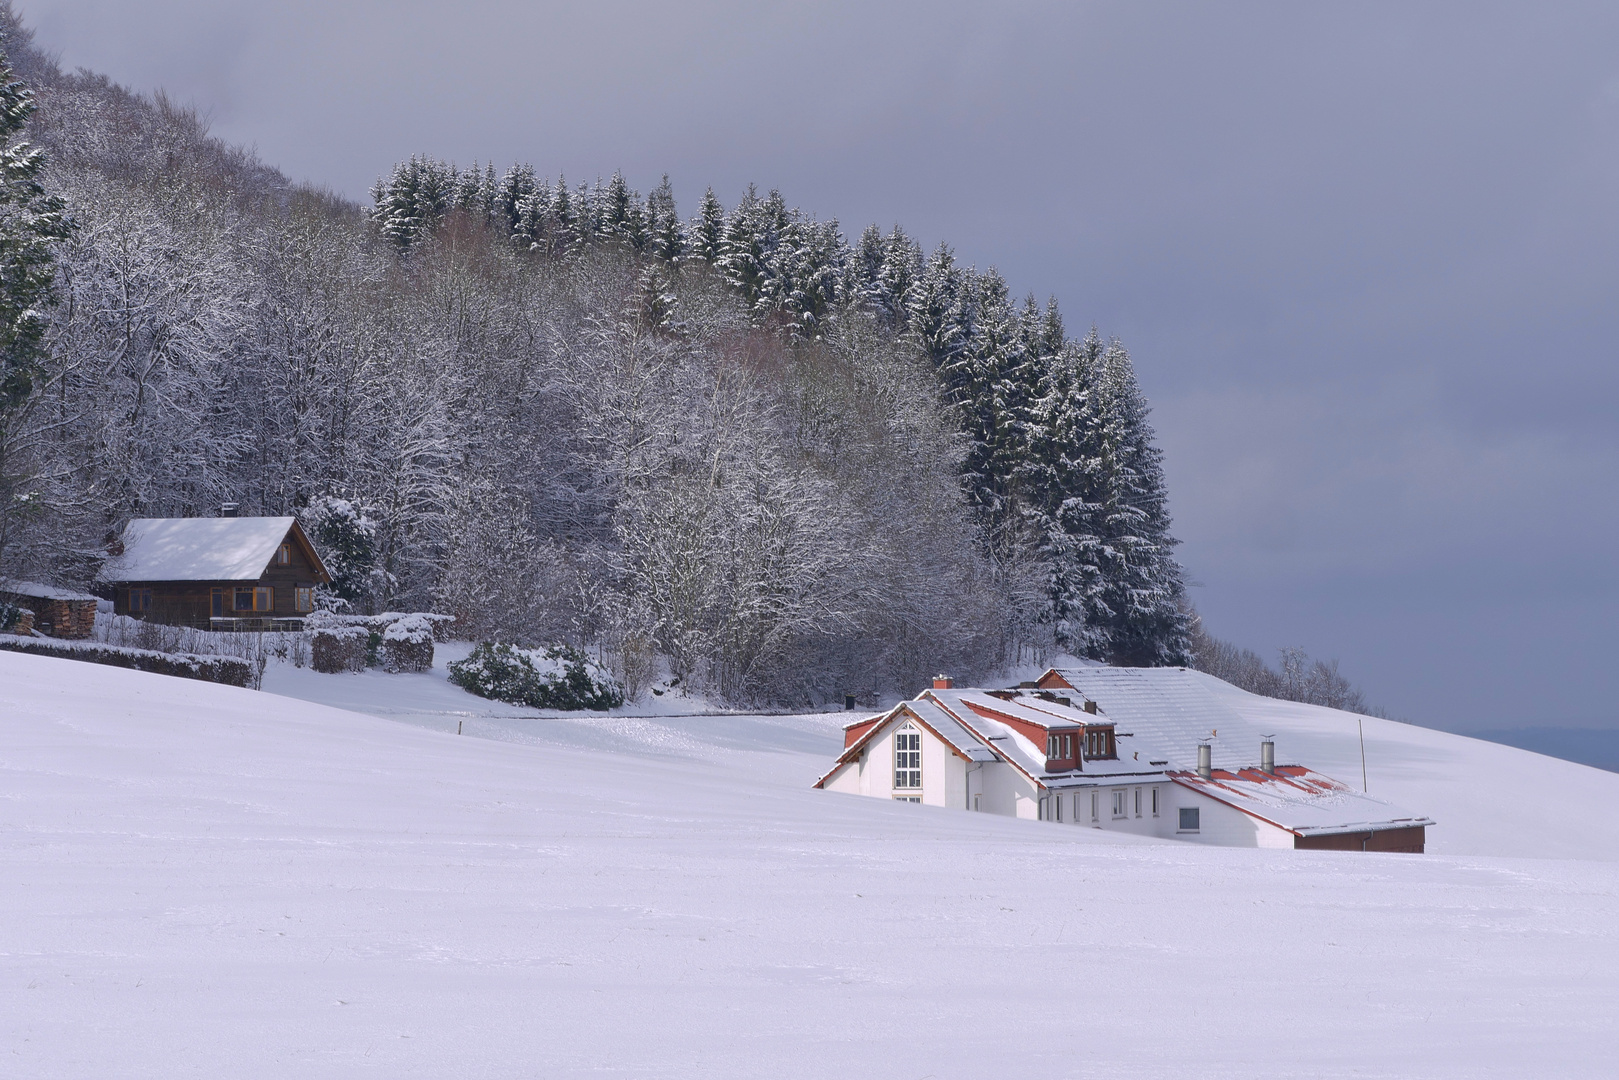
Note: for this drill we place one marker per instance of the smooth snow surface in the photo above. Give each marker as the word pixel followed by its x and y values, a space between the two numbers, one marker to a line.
pixel 210 882
pixel 197 549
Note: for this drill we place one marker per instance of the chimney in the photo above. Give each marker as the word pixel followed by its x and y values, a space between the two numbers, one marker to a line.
pixel 1267 757
pixel 1090 706
pixel 943 682
pixel 1205 760
pixel 228 509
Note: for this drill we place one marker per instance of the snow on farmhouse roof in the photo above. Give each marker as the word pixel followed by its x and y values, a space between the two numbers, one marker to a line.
pixel 1168 711
pixel 1299 800
pixel 197 549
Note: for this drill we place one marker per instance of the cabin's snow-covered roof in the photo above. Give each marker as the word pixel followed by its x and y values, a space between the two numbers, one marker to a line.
pixel 197 549
pixel 1300 800
pixel 40 591
pixel 1168 712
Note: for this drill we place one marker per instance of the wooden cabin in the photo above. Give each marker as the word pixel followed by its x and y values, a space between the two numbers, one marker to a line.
pixel 223 573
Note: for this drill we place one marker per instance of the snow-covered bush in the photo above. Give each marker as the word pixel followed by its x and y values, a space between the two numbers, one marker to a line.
pixel 407 644
pixel 422 628
pixel 558 677
pixel 334 649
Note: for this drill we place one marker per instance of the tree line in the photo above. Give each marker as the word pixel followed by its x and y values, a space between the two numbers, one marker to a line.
pixel 784 465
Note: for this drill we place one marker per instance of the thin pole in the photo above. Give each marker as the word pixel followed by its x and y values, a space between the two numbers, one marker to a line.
pixel 1362 725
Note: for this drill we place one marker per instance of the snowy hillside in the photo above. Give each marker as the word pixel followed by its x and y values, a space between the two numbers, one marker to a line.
pixel 204 881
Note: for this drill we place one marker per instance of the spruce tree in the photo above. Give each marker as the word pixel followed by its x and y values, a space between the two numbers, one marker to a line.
pixel 708 229
pixel 30 223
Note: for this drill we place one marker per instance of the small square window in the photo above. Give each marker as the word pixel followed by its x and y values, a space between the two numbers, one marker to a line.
pixel 1191 819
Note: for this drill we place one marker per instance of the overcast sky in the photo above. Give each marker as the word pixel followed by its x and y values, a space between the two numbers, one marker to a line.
pixel 1364 255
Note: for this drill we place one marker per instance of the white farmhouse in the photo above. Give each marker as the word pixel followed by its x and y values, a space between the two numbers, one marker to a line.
pixel 1143 750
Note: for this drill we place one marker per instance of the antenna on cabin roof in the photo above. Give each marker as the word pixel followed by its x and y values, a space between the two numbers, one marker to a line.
pixel 229 509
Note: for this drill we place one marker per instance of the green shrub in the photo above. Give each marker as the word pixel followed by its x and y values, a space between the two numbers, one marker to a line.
pixel 10 616
pixel 558 677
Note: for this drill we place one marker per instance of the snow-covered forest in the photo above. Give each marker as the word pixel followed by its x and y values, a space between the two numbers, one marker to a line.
pixel 791 465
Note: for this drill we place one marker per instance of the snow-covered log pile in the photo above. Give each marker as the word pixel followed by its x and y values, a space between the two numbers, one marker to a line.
pixel 229 670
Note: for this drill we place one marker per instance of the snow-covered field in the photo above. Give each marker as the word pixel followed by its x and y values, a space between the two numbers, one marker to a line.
pixel 211 882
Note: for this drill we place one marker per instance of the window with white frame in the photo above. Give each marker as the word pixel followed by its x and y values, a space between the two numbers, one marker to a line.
pixel 1191 819
pixel 1096 802
pixel 1138 802
pixel 908 798
pixel 907 758
pixel 1154 802
pixel 1120 801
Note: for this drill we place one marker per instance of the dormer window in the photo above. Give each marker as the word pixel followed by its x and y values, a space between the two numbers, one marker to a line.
pixel 1100 744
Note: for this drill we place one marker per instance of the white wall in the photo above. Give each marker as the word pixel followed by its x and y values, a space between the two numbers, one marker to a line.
pixel 943 771
pixel 1222 824
pixel 949 781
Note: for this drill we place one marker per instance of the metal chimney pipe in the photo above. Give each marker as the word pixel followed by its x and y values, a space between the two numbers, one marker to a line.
pixel 1205 760
pixel 1267 757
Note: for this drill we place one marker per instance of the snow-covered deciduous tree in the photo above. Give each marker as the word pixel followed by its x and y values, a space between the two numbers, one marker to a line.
pixel 785 467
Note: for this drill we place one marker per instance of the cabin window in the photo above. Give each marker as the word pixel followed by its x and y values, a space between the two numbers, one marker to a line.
pixel 908 758
pixel 140 601
pixel 304 599
pixel 283 555
pixel 1191 819
pixel 1119 802
pixel 257 598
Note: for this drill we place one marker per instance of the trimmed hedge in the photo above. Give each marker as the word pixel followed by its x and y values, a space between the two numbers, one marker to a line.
pixel 227 670
pixel 560 677
pixel 334 649
pixel 407 644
